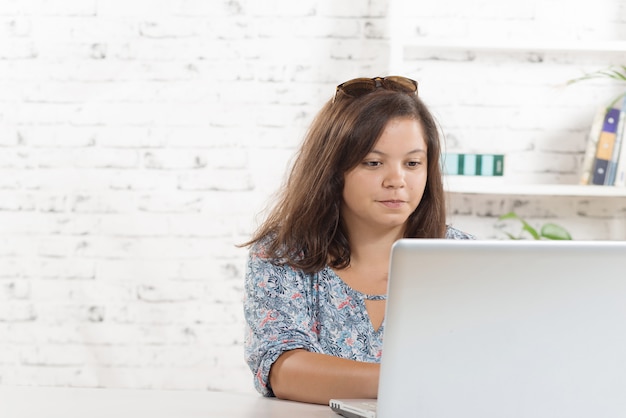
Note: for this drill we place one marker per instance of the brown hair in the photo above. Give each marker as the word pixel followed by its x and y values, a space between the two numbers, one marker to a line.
pixel 304 228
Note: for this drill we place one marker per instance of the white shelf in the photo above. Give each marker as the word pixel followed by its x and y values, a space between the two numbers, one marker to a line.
pixel 513 46
pixel 497 186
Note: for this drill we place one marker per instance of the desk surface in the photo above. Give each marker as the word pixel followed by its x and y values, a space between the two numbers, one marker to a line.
pixel 38 402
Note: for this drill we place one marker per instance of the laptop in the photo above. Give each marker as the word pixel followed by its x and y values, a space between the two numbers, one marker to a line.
pixel 502 329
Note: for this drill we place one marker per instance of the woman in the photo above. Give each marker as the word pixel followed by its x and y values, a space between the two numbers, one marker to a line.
pixel 366 175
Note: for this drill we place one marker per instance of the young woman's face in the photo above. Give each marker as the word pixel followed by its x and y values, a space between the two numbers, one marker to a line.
pixel 386 187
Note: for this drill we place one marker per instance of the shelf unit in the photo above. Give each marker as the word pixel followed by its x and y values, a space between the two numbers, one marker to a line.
pixel 496 186
pixel 618 47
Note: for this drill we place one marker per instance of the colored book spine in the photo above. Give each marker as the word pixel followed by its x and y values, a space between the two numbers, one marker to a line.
pixel 473 164
pixel 592 145
pixel 617 169
pixel 612 173
pixel 606 143
pixel 620 172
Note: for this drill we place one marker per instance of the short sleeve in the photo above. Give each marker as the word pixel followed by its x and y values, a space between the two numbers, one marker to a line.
pixel 279 315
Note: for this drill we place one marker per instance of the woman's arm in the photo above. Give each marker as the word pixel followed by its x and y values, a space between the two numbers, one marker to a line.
pixel 304 376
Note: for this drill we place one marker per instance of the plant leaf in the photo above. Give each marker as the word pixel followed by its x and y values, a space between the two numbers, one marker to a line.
pixel 525 225
pixel 511 236
pixel 617 99
pixel 532 231
pixel 510 215
pixel 617 72
pixel 555 232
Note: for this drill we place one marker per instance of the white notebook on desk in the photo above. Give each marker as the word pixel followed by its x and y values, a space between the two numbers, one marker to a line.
pixel 504 329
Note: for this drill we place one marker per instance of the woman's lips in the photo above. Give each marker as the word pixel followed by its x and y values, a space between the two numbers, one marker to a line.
pixel 392 204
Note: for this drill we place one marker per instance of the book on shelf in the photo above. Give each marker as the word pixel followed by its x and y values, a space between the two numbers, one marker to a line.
pixel 592 144
pixel 604 149
pixel 619 135
pixel 620 172
pixel 459 164
pixel 619 177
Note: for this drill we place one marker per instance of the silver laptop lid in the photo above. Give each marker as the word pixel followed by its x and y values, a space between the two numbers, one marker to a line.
pixel 505 329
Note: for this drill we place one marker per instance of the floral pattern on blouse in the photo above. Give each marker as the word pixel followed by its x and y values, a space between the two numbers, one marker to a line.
pixel 287 309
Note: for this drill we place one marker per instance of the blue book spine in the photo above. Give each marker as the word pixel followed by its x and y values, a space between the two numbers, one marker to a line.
pixel 606 143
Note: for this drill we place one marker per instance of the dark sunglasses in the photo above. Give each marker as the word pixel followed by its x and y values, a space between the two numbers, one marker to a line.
pixel 360 86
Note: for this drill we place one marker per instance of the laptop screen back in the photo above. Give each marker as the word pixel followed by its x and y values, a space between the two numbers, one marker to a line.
pixel 505 329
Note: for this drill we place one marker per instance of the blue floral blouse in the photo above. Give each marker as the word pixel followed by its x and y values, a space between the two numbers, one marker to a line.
pixel 286 309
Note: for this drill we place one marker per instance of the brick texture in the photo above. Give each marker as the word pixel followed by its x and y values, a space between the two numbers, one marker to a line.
pixel 140 140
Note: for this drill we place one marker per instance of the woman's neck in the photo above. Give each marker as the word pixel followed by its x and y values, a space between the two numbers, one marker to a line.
pixel 372 244
pixel 371 252
pixel 369 264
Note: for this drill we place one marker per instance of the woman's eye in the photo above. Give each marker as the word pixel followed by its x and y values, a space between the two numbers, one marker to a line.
pixel 372 163
pixel 413 163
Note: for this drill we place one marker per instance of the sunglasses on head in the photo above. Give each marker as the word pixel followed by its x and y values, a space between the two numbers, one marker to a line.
pixel 360 86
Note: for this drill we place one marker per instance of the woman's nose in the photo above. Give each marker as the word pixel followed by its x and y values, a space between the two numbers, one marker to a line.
pixel 394 177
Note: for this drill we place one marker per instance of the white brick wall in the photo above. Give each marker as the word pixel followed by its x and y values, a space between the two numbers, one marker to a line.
pixel 140 139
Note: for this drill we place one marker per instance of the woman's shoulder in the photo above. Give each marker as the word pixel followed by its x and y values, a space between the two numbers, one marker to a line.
pixel 259 249
pixel 261 253
pixel 453 233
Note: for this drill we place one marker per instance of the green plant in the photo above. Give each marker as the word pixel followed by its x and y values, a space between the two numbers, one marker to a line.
pixel 616 72
pixel 549 231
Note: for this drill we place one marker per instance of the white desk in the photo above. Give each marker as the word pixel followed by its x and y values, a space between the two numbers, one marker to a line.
pixel 38 402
